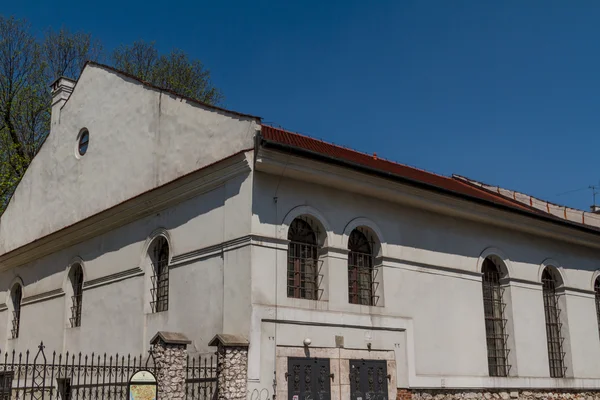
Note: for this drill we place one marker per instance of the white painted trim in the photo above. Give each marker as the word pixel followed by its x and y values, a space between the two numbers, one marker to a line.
pixel 549 262
pixel 75 260
pixel 159 232
pixel 595 276
pixel 362 221
pixel 13 282
pixel 494 251
pixel 299 211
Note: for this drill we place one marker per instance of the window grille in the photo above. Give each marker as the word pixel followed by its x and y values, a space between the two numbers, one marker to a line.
pixel 597 290
pixel 76 299
pixel 361 274
pixel 160 277
pixel 556 356
pixel 303 276
pixel 17 295
pixel 495 322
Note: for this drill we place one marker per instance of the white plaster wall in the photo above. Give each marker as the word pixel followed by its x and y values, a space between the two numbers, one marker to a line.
pixel 583 329
pixel 115 314
pixel 140 139
pixel 431 286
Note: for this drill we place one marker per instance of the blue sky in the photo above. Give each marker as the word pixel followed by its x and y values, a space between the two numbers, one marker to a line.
pixel 506 92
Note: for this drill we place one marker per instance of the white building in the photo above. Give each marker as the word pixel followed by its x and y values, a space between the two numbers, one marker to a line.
pixel 147 211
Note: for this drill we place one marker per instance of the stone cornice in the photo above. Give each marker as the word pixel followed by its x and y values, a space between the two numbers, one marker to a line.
pixel 119 276
pixel 42 296
pixel 285 164
pixel 148 203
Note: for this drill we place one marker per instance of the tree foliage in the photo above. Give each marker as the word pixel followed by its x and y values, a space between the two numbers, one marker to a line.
pixel 174 71
pixel 28 65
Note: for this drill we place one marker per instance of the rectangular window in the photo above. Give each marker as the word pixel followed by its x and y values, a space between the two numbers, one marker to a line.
pixel 361 279
pixel 303 271
pixel 556 356
pixel 17 296
pixel 160 275
pixel 597 291
pixel 76 299
pixel 495 324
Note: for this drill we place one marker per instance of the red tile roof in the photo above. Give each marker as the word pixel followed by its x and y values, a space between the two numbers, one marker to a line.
pixel 318 147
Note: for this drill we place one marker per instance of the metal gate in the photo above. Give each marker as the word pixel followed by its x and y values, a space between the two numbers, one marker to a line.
pixel 368 380
pixel 308 379
pixel 32 376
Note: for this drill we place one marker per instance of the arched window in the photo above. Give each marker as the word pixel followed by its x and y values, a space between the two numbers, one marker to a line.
pixel 556 356
pixel 495 322
pixel 597 291
pixel 76 279
pixel 160 274
pixel 16 296
pixel 360 269
pixel 303 261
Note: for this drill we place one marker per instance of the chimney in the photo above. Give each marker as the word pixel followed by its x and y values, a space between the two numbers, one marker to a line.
pixel 61 90
pixel 595 209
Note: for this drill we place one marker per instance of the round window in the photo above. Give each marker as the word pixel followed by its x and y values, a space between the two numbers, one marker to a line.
pixel 84 142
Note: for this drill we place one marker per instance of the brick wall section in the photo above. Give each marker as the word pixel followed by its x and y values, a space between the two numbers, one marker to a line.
pixel 448 394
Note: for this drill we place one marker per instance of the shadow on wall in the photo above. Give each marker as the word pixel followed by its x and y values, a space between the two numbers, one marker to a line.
pixel 137 232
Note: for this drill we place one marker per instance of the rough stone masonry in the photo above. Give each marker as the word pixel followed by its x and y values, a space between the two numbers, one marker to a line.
pixel 169 353
pixel 232 366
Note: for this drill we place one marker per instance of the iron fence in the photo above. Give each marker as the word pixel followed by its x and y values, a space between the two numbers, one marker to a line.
pixel 201 377
pixel 33 376
pixel 68 377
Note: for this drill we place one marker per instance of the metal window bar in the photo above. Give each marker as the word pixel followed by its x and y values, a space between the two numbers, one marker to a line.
pixel 597 291
pixel 362 283
pixel 77 298
pixel 556 355
pixel 495 322
pixel 160 277
pixel 24 376
pixel 201 377
pixel 304 272
pixel 17 295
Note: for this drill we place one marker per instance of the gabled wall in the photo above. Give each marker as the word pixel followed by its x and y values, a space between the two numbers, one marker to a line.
pixel 140 138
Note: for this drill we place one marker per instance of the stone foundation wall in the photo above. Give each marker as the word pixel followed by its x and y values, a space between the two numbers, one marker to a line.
pixel 232 379
pixel 406 394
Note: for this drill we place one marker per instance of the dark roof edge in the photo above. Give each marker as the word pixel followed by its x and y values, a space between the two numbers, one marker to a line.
pixel 150 85
pixel 416 183
pixel 62 77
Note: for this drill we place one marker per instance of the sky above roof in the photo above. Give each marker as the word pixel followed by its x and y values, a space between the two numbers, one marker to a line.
pixel 502 92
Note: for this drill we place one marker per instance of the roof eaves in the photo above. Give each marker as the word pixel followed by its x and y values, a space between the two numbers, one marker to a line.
pixel 517 208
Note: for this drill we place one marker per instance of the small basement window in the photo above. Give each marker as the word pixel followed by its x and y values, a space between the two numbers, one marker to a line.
pixel 83 142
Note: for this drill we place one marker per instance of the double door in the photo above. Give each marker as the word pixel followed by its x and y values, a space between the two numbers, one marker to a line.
pixel 368 380
pixel 310 379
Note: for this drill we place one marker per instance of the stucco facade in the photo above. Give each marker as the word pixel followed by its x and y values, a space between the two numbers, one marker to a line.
pixel 162 166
